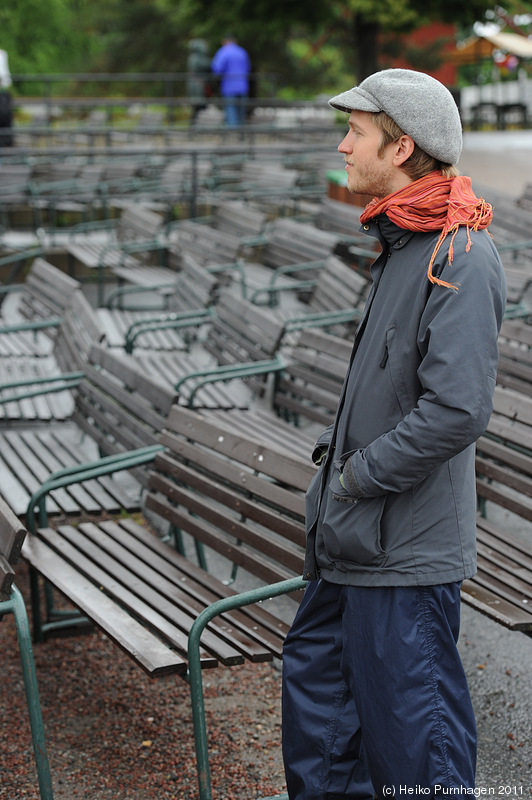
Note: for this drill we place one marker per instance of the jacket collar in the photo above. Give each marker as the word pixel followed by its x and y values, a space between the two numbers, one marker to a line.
pixel 389 234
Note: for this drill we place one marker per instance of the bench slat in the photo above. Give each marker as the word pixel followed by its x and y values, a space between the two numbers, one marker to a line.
pixel 99 556
pixel 145 648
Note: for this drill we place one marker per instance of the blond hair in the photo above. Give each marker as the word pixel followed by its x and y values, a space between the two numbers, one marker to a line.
pixel 419 163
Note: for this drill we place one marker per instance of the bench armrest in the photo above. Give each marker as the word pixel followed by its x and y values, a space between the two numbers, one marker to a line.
pixel 31 325
pixel 194 675
pixel 109 225
pixel 47 385
pixel 114 298
pixel 322 319
pixel 516 310
pixel 229 372
pixel 272 289
pixel 175 321
pixel 19 257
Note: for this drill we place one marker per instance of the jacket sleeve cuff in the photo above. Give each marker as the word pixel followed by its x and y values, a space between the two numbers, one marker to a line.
pixel 322 445
pixel 351 482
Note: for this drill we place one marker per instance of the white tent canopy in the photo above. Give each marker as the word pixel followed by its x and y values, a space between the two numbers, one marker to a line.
pixel 512 43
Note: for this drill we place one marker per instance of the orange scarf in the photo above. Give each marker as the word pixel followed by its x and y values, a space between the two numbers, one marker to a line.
pixel 433 203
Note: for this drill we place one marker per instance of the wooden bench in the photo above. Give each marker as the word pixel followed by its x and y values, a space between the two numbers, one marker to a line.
pixel 525 199
pixel 129 243
pixel 40 301
pixel 198 239
pixel 518 283
pixel 186 301
pixel 180 181
pixel 240 219
pixel 114 409
pixel 335 298
pixel 14 192
pixel 39 389
pixel 64 192
pixel 304 397
pixel 254 178
pixel 291 250
pixel 242 503
pixel 207 244
pixel 502 587
pixel 308 388
pixel 515 356
pixel 55 191
pixel 12 535
pixel 511 230
pixel 334 215
pixel 288 241
pixel 229 367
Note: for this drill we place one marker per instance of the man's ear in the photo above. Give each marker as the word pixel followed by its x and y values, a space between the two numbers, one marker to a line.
pixel 403 149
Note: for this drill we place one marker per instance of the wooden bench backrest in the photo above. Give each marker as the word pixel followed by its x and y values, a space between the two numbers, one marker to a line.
pixel 195 288
pixel 292 242
pixel 47 291
pixel 510 223
pixel 231 493
pixel 78 332
pixel 257 174
pixel 13 175
pixel 517 333
pixel 504 453
pixel 310 384
pixel 242 332
pixel 139 223
pixel 333 215
pixel 239 219
pixel 115 403
pixel 208 245
pixel 177 174
pixel 118 405
pixel 511 420
pixel 515 356
pixel 118 169
pixel 91 174
pixel 12 535
pixel 525 199
pixel 338 286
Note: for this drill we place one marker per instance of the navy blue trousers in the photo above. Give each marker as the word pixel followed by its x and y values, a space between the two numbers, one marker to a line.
pixel 375 699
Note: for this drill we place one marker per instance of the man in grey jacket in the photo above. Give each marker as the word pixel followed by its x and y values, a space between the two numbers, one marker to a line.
pixel 375 700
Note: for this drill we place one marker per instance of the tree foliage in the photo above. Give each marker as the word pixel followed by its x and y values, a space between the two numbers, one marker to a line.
pixel 45 37
pixel 311 45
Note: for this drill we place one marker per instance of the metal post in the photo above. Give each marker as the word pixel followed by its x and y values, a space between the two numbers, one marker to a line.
pixel 194 187
pixel 32 694
pixel 194 666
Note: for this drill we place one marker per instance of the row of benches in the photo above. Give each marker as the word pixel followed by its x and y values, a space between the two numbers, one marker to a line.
pixel 232 483
pixel 235 494
pixel 45 194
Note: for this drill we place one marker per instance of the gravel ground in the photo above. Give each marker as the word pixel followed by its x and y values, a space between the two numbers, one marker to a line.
pixel 112 733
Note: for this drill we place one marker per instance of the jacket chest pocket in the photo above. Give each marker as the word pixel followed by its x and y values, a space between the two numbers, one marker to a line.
pixel 397 362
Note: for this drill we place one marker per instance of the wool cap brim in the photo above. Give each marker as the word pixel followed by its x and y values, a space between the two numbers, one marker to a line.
pixel 422 107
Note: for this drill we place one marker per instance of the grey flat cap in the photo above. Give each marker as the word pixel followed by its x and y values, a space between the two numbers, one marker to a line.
pixel 422 107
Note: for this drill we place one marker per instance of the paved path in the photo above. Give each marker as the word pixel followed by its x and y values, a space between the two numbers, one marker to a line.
pixel 499 159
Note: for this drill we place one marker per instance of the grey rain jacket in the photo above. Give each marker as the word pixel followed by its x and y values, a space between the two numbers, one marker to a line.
pixel 417 395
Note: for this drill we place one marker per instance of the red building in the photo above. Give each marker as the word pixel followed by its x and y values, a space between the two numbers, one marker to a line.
pixel 420 47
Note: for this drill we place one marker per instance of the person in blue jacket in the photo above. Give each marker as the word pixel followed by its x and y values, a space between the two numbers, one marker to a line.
pixel 232 63
pixel 375 698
